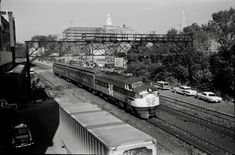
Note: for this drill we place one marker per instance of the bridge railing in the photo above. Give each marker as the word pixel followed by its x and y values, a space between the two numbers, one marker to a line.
pixel 129 37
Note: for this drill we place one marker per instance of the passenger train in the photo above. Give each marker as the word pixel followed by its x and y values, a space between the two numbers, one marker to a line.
pixel 129 93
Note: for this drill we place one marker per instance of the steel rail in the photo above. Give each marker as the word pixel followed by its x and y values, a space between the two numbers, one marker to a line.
pixel 220 115
pixel 188 137
pixel 203 122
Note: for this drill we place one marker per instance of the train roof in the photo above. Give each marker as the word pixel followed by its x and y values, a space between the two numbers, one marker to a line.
pixel 89 70
pixel 106 76
pixel 118 78
pixel 17 70
pixel 83 107
pixel 112 131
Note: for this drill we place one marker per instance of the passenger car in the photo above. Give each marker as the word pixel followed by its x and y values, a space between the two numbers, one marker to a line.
pixel 184 90
pixel 162 85
pixel 21 136
pixel 208 96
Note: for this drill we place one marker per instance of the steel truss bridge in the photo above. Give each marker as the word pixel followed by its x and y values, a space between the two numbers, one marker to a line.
pixel 111 44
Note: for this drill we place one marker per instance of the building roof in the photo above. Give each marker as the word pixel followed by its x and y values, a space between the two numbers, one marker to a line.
pixel 74 33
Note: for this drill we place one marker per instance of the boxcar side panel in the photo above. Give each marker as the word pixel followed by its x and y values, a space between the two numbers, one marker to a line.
pixel 77 139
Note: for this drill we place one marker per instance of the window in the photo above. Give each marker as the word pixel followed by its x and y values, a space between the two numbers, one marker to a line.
pixel 139 151
pixel 185 88
pixel 5 35
pixel 128 87
pixel 211 94
pixel 119 90
pixel 101 83
pixel 130 93
pixel 137 84
pixel 166 84
pixel 60 69
pixel 72 73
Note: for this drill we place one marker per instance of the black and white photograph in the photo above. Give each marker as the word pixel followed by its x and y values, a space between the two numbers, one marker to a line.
pixel 117 77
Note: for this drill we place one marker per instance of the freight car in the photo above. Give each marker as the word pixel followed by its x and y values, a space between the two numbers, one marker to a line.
pixel 12 85
pixel 129 93
pixel 86 129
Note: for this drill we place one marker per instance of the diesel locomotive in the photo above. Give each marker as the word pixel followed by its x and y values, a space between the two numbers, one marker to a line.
pixel 129 93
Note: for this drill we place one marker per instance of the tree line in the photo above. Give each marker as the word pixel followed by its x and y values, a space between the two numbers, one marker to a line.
pixel 211 60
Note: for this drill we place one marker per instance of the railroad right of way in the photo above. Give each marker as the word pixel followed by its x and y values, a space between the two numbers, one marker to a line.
pixel 167 143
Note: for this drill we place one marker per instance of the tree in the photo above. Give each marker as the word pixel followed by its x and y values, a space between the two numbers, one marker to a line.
pixel 44 38
pixel 200 54
pixel 222 68
pixel 172 31
pixel 43 45
pixel 140 67
pixel 223 27
pixel 201 37
pixel 222 62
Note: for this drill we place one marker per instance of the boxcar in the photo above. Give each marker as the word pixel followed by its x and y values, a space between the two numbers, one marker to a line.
pixel 12 85
pixel 89 130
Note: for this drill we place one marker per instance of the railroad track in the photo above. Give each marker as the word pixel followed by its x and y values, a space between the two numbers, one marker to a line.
pixel 49 88
pixel 217 117
pixel 206 145
pixel 54 87
pixel 203 122
pixel 190 138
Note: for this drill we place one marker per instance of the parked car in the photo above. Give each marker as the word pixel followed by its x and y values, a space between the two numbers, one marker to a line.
pixel 4 105
pixel 184 90
pixel 209 97
pixel 162 85
pixel 21 136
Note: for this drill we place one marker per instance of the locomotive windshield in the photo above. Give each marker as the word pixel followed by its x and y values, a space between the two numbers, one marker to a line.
pixel 137 84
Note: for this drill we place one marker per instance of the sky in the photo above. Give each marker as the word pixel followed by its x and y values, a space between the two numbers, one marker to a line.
pixel 44 17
